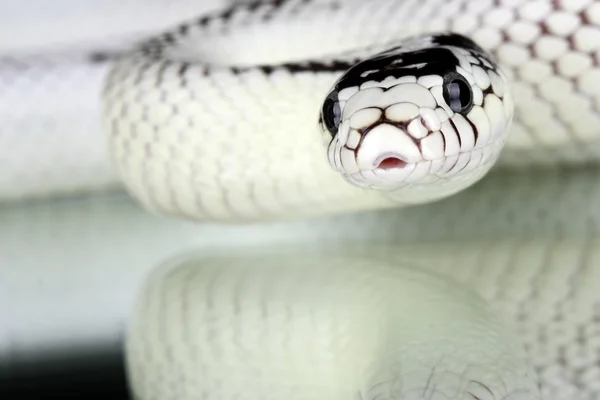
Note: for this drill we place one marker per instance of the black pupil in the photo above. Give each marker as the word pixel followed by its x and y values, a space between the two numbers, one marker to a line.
pixel 331 115
pixel 458 95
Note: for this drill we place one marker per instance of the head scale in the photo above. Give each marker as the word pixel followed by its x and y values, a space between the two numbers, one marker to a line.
pixel 430 115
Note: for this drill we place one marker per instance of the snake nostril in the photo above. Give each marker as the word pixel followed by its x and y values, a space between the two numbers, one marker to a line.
pixel 391 163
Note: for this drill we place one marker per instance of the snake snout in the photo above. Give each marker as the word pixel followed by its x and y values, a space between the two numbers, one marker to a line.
pixel 387 147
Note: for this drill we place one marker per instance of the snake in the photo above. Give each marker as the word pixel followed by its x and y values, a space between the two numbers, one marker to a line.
pixel 400 103
pixel 277 96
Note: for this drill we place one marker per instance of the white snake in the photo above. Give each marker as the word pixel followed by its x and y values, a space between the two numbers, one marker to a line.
pixel 352 317
pixel 169 111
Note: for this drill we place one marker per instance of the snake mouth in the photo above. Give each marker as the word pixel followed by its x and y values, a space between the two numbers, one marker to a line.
pixel 391 163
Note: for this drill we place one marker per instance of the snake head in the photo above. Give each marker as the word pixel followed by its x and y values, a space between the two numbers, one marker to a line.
pixel 429 116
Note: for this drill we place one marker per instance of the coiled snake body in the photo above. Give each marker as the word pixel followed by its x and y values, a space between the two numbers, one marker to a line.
pixel 309 108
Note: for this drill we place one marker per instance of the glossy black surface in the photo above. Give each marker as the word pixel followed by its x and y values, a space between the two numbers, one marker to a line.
pixel 457 93
pixel 97 374
pixel 331 114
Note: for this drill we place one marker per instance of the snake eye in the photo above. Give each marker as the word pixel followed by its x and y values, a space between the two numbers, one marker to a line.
pixel 457 93
pixel 331 114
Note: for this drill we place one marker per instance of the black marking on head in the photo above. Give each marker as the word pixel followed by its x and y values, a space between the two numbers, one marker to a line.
pixel 396 63
pixel 420 62
pixel 423 59
pixel 428 58
pixel 456 40
pixel 457 93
